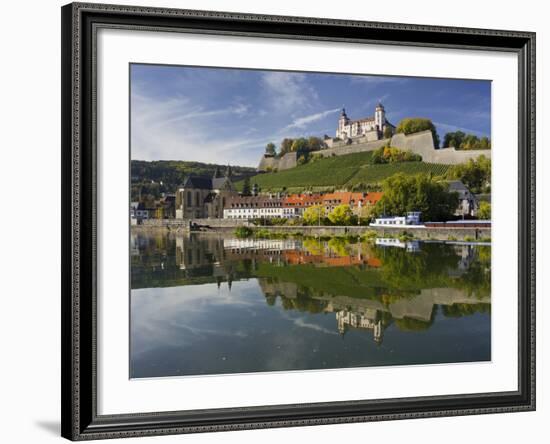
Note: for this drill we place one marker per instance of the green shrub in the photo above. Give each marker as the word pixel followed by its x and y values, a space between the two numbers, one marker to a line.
pixel 405 236
pixel 243 232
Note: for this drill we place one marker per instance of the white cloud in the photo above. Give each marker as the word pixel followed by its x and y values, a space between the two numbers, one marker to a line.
pixel 301 322
pixel 302 122
pixel 176 129
pixel 451 128
pixel 288 92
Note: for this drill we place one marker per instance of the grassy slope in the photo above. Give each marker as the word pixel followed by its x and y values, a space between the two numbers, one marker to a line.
pixel 339 172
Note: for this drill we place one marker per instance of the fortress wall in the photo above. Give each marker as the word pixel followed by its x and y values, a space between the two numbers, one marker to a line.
pixel 422 143
pixel 268 163
pixel 282 163
pixel 419 143
pixel 340 150
pixel 287 161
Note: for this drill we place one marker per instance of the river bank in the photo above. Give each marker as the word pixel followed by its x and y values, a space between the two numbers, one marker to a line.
pixel 249 230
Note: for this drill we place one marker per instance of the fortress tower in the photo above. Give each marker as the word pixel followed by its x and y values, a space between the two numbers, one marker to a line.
pixel 343 124
pixel 380 117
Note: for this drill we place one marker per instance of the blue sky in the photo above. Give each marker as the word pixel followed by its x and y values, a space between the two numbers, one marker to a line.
pixel 229 115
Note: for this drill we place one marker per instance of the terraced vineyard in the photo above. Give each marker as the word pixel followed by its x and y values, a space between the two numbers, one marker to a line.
pixel 339 172
pixel 371 174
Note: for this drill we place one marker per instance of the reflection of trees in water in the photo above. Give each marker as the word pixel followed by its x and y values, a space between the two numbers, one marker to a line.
pixel 459 310
pixel 304 303
pixel 476 280
pixel 427 268
pixel 313 246
pixel 436 265
pixel 292 297
pixel 412 324
pixel 339 246
pixel 336 266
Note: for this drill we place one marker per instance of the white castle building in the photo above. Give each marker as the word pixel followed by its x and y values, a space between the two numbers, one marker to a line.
pixel 370 128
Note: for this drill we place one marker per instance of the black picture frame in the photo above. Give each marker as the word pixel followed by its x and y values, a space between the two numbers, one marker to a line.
pixel 80 420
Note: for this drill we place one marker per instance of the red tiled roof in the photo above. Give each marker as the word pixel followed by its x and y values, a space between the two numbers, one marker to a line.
pixel 340 198
pixel 302 200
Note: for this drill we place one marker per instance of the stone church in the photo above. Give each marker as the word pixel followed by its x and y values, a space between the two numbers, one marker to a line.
pixel 369 128
pixel 204 197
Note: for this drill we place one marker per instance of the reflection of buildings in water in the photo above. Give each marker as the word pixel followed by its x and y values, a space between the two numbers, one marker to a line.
pixel 368 320
pixel 349 312
pixel 269 250
pixel 204 255
pixel 301 257
pixel 134 245
pixel 260 244
pixel 466 254
pixel 372 314
pixel 193 252
pixel 139 244
pixel 410 246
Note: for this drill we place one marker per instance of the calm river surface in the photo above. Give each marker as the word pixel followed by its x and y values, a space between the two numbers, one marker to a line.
pixel 207 304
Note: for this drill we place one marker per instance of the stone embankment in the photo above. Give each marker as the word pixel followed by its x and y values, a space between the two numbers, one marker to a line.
pixel 229 225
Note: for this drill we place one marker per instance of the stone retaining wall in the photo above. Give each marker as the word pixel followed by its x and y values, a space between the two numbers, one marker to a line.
pixel 419 143
pixel 229 225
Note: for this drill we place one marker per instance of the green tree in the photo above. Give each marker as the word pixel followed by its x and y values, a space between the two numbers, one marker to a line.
pixel 484 143
pixel 484 211
pixel 453 139
pixel 299 145
pixel 475 174
pixel 341 215
pixel 421 192
pixel 463 141
pixel 387 132
pixel 314 143
pixel 314 215
pixel 415 125
pixel 387 154
pixel 286 145
pixel 365 214
pixel 270 149
pixel 246 187
pixel 339 246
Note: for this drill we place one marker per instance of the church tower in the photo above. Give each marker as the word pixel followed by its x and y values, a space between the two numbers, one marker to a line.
pixel 380 117
pixel 343 122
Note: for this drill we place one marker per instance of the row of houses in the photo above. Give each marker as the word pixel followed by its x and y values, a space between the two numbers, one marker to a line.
pixel 163 208
pixel 294 205
pixel 236 206
pixel 216 197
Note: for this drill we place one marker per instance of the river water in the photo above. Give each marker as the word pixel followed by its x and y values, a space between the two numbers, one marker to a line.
pixel 208 304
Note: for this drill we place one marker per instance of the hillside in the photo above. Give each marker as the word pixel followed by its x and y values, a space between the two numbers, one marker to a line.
pixel 339 172
pixel 148 175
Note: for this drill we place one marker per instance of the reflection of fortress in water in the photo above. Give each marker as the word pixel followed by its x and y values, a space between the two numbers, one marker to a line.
pixel 376 315
pixel 225 259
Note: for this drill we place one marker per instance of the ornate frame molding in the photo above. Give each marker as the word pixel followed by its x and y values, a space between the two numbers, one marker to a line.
pixel 80 22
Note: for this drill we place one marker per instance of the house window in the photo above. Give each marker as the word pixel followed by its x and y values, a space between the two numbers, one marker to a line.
pixel 189 198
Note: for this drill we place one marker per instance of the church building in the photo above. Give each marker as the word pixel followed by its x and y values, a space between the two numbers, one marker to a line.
pixel 369 128
pixel 204 197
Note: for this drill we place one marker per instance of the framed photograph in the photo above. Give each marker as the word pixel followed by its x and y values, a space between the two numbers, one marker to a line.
pixel 281 221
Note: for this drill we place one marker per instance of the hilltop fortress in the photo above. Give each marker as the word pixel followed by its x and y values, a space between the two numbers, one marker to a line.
pixel 369 134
